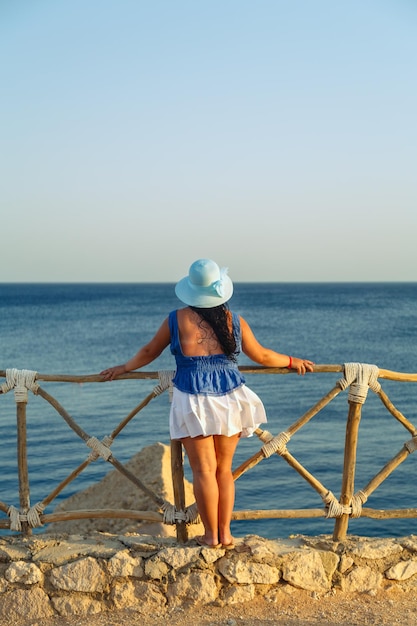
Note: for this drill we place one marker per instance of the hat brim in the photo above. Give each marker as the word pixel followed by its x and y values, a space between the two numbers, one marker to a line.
pixel 196 296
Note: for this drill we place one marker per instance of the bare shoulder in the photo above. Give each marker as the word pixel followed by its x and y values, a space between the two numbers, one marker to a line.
pixel 244 325
pixel 186 315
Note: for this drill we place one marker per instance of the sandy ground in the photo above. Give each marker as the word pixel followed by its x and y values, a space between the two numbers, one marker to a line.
pixel 387 608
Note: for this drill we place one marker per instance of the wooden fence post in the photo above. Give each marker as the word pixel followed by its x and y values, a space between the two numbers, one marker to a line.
pixel 24 490
pixel 177 468
pixel 349 466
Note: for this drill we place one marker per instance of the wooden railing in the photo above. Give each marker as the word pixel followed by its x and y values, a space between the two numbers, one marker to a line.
pixel 355 377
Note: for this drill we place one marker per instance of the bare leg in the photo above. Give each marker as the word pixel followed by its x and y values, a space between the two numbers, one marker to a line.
pixel 225 449
pixel 201 454
pixel 211 463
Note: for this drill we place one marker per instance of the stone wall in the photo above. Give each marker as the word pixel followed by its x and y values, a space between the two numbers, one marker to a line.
pixel 64 575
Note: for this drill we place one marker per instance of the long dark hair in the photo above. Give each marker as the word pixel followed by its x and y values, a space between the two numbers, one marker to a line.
pixel 217 318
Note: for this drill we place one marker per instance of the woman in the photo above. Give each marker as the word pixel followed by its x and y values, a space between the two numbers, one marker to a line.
pixel 211 405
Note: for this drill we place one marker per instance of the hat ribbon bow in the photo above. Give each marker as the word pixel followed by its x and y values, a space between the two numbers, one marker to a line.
pixel 218 285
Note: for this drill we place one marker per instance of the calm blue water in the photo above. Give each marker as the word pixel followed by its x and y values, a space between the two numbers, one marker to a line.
pixel 81 329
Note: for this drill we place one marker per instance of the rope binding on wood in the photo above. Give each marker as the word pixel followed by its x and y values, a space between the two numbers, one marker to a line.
pixel 359 377
pixel 334 509
pixel 165 382
pixel 32 517
pixel 411 444
pixel 21 381
pixel 100 448
pixel 172 515
pixel 273 444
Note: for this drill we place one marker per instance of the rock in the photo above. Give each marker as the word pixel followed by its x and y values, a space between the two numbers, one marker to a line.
pixel 22 572
pixel 262 549
pixel 14 552
pixel 57 552
pixel 146 545
pixel 306 571
pixel 149 597
pixel 4 557
pixel 238 595
pixel 246 572
pixel 76 604
pixel 330 562
pixel 346 563
pixel 410 543
pixel 210 555
pixel 402 570
pixel 83 575
pixel 197 587
pixel 361 579
pixel 178 559
pixel 123 594
pixel 21 605
pixel 156 569
pixel 142 596
pixel 122 564
pixel 377 548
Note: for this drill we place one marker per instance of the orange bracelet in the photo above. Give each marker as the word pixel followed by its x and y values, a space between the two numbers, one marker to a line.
pixel 290 363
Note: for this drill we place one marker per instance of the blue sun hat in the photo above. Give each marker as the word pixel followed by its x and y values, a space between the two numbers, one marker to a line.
pixel 206 285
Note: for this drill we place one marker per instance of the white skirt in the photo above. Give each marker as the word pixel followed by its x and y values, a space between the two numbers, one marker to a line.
pixel 239 411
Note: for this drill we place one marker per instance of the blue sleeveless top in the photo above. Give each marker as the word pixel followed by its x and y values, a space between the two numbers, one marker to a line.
pixel 215 374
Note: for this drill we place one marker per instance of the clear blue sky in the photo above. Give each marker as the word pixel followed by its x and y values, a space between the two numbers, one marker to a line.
pixel 278 137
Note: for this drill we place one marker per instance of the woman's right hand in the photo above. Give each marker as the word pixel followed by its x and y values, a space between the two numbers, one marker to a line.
pixel 112 372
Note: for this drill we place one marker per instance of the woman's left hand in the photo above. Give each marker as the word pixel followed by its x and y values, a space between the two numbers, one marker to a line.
pixel 302 365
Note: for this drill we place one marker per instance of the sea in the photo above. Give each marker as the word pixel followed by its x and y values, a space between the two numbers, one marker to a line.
pixel 83 328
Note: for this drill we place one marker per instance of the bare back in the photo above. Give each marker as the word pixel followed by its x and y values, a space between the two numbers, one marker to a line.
pixel 197 338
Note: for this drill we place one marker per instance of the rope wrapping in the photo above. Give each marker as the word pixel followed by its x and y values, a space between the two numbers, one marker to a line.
pixel 15 521
pixel 32 517
pixel 276 444
pixel 411 444
pixel 21 381
pixel 100 448
pixel 333 507
pixel 165 382
pixel 172 515
pixel 359 377
pixel 192 514
pixel 357 501
pixel 265 436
